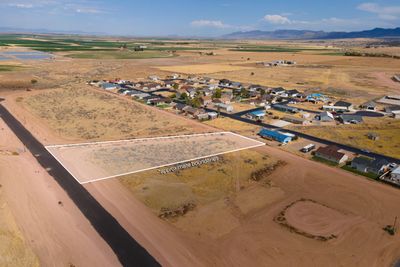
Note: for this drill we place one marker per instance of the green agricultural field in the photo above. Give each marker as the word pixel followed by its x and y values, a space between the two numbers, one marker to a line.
pixel 278 49
pixel 120 55
pixel 9 67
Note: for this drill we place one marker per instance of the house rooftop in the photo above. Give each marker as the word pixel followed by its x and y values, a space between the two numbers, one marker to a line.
pixel 330 151
pixel 343 104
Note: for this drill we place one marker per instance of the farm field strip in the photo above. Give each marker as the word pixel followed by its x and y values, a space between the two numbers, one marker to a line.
pixel 90 162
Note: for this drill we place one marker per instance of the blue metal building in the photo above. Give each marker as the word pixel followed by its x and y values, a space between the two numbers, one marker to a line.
pixel 275 135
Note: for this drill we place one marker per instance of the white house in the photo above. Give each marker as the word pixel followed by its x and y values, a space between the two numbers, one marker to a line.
pixel 225 107
pixel 395 175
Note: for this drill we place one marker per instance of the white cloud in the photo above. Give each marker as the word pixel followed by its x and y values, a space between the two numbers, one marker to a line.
pixel 277 19
pixel 88 10
pixel 210 24
pixel 383 12
pixel 20 5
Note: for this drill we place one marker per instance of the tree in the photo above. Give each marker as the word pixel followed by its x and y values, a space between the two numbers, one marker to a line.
pixel 195 102
pixel 34 81
pixel 184 96
pixel 176 86
pixel 244 93
pixel 262 92
pixel 217 93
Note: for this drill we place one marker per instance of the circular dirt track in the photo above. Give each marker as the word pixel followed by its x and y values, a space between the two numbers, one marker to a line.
pixel 318 220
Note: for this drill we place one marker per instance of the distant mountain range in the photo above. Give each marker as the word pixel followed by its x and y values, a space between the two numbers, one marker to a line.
pixel 305 34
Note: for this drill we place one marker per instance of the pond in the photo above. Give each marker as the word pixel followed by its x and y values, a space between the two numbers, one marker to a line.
pixel 24 55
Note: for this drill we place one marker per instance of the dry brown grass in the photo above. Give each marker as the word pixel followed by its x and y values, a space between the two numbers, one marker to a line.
pixel 232 125
pixel 356 135
pixel 229 175
pixel 203 68
pixel 87 114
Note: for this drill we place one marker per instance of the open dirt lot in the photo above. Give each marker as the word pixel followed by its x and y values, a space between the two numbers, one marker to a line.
pixel 94 161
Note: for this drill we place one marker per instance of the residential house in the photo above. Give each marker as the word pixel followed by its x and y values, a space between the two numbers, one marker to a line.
pixel 180 106
pixel 285 108
pixel 370 105
pixel 254 87
pixel 331 153
pixel 224 107
pixel 269 98
pixel 224 82
pixel 191 92
pixel 292 93
pixel 192 111
pixel 206 91
pixel 395 175
pixel 390 109
pixel 205 100
pixel 316 97
pixel 350 119
pixel 225 99
pixel 169 84
pixel 141 96
pixel 159 101
pixel 390 100
pixel 332 108
pixel 275 135
pixel 326 116
pixel 109 86
pixel 343 104
pixel 296 120
pixel 236 85
pixel 256 115
pixel 277 91
pixel 369 165
pixel 212 115
pixel 202 116
pixel 396 78
pixel 151 86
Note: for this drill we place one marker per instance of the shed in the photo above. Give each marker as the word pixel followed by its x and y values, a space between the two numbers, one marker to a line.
pixel 373 136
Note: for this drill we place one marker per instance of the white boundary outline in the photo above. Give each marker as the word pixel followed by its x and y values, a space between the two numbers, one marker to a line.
pixel 151 138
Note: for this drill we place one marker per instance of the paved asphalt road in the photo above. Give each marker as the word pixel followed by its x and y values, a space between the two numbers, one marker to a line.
pixel 237 116
pixel 128 251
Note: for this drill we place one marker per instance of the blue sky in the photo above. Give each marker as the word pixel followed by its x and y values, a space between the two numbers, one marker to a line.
pixel 197 18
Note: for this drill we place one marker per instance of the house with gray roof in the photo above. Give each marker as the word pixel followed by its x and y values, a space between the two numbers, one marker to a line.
pixel 350 119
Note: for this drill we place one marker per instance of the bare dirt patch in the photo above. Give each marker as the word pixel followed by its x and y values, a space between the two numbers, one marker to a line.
pixel 313 220
pixel 204 68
